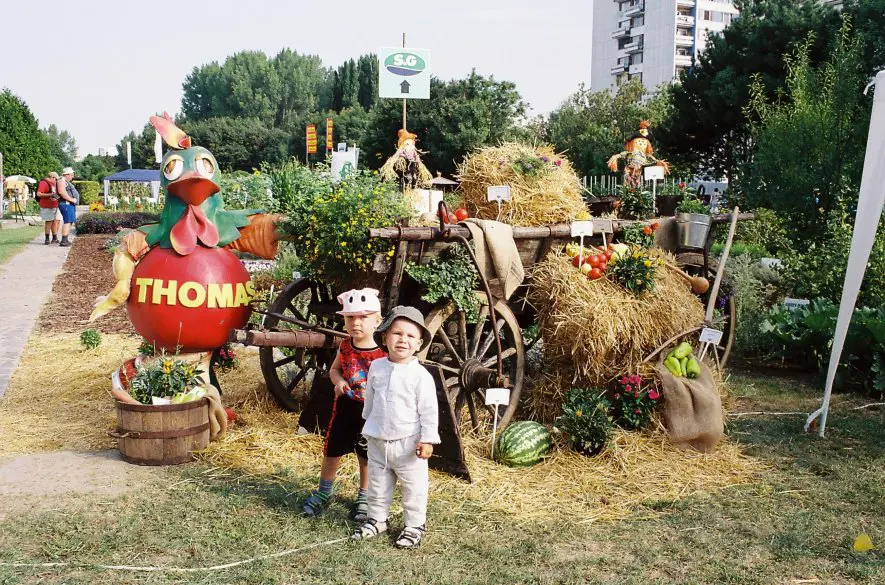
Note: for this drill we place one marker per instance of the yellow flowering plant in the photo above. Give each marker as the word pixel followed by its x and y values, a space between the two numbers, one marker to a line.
pixel 585 419
pixel 328 221
pixel 635 270
pixel 164 377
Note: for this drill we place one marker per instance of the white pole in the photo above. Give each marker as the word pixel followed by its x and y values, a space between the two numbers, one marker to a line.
pixel 494 430
pixel 869 210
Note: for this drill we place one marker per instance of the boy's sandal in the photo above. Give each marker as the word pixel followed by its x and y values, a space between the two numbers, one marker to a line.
pixel 360 511
pixel 315 503
pixel 410 537
pixel 369 529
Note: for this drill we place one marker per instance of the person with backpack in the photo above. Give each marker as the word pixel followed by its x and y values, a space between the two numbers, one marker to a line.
pixel 67 205
pixel 47 199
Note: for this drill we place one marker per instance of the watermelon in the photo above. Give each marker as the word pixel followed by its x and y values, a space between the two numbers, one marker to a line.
pixel 523 444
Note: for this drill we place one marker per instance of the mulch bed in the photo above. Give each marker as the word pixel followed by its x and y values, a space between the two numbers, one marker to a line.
pixel 86 274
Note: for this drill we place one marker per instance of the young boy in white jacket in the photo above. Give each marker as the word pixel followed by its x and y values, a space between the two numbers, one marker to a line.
pixel 401 427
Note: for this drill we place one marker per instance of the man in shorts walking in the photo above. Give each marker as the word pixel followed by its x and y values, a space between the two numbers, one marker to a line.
pixel 47 198
pixel 67 205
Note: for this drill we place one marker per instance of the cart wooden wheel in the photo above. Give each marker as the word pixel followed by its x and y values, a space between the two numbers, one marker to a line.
pixel 726 318
pixel 289 371
pixel 468 355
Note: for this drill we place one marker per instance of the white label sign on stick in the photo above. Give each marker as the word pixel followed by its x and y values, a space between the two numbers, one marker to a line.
pixel 581 228
pixel 654 173
pixel 796 303
pixel 495 396
pixel 499 193
pixel 709 335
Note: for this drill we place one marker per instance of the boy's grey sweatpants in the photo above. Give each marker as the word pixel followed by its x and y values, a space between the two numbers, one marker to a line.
pixel 392 460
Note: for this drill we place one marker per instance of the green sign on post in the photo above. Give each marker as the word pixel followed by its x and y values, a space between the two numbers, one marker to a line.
pixel 403 73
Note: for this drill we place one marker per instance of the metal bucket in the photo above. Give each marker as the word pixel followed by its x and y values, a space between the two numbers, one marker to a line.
pixel 693 229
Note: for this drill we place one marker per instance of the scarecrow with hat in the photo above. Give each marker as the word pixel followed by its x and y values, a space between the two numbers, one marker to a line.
pixel 405 165
pixel 638 154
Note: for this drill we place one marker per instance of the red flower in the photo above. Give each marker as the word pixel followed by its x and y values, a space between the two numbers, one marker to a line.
pixel 557 162
pixel 629 389
pixel 624 379
pixel 637 411
pixel 635 379
pixel 682 185
pixel 647 230
pixel 654 394
pixel 654 226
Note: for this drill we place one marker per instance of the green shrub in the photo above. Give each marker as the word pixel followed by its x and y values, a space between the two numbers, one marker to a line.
pixel 767 231
pixel 804 336
pixel 636 203
pixel 585 419
pixel 242 190
pixel 111 222
pixel 90 339
pixel 451 275
pixel 89 191
pixel 755 290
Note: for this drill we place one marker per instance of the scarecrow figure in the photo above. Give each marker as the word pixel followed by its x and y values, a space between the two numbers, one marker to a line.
pixel 638 152
pixel 405 165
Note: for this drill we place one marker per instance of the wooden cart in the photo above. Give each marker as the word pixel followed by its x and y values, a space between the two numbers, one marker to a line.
pixel 301 330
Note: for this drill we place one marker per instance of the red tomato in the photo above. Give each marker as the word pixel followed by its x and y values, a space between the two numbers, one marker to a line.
pixel 608 255
pixel 461 214
pixel 576 261
pixel 595 273
pixel 603 266
pixel 594 260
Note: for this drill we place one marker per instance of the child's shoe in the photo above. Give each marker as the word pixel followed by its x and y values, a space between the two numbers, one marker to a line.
pixel 369 529
pixel 316 502
pixel 410 537
pixel 359 513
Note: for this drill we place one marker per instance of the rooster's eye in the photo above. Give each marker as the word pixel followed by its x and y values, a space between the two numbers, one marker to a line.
pixel 205 166
pixel 174 167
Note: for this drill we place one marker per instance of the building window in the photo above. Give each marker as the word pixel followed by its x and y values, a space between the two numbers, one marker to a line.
pixel 637 21
pixel 635 59
pixel 624 42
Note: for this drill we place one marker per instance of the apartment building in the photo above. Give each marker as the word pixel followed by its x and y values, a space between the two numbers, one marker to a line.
pixel 652 40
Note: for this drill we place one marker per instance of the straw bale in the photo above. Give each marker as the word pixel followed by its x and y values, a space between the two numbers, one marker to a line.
pixel 552 197
pixel 596 331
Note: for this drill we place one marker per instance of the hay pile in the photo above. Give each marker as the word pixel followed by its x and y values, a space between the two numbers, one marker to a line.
pixel 59 396
pixel 552 195
pixel 42 412
pixel 596 331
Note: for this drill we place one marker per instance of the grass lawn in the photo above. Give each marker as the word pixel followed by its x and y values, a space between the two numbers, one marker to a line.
pixel 13 240
pixel 795 525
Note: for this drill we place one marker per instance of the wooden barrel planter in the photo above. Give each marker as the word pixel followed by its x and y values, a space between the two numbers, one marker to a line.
pixel 161 435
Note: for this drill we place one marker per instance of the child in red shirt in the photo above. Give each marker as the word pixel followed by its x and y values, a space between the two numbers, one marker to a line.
pixel 349 372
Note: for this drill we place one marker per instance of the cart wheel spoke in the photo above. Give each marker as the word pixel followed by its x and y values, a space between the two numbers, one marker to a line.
pixel 448 343
pixel 443 367
pixel 477 332
pixel 490 339
pixel 296 380
pixel 510 351
pixel 462 334
pixel 471 408
pixel 287 360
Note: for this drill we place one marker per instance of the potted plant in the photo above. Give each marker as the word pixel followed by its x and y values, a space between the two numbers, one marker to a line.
pixel 165 379
pixel 633 403
pixel 670 196
pixel 585 420
pixel 692 222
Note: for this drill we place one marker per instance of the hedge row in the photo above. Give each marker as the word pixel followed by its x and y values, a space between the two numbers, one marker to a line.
pixel 111 222
pixel 89 191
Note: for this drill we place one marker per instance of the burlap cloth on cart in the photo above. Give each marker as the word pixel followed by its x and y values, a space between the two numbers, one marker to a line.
pixel 692 409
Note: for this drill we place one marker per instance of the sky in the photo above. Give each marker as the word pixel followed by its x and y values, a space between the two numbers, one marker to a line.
pixel 99 69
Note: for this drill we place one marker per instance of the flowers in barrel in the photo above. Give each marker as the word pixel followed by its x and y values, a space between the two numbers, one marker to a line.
pixel 632 404
pixel 165 378
pixel 227 358
pixel 634 269
pixel 585 419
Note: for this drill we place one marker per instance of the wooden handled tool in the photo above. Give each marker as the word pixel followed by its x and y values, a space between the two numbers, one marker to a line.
pixel 699 284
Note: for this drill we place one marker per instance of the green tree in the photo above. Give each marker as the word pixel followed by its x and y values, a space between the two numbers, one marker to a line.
pixel 142 149
pixel 868 17
pixel 95 168
pixel 808 145
pixel 708 128
pixel 240 143
pixel 592 126
pixel 351 125
pixel 367 66
pixel 460 116
pixel 249 85
pixel 26 149
pixel 64 147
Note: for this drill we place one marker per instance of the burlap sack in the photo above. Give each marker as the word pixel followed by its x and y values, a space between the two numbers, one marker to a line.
pixel 692 409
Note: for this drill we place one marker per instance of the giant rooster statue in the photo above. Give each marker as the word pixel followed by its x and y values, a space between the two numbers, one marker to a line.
pixel 183 287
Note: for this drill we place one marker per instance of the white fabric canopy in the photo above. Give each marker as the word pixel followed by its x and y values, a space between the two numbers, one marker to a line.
pixel 869 210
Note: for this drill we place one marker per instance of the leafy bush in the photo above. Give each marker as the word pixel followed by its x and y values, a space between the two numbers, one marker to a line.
pixel 89 191
pixel 329 221
pixel 740 249
pixel 241 190
pixel 164 378
pixel 111 223
pixel 636 203
pixel 804 335
pixel 755 290
pixel 691 204
pixel 585 419
pixel 640 235
pixel 90 339
pixel 634 270
pixel 817 268
pixel 768 231
pixel 451 275
pixel 632 404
